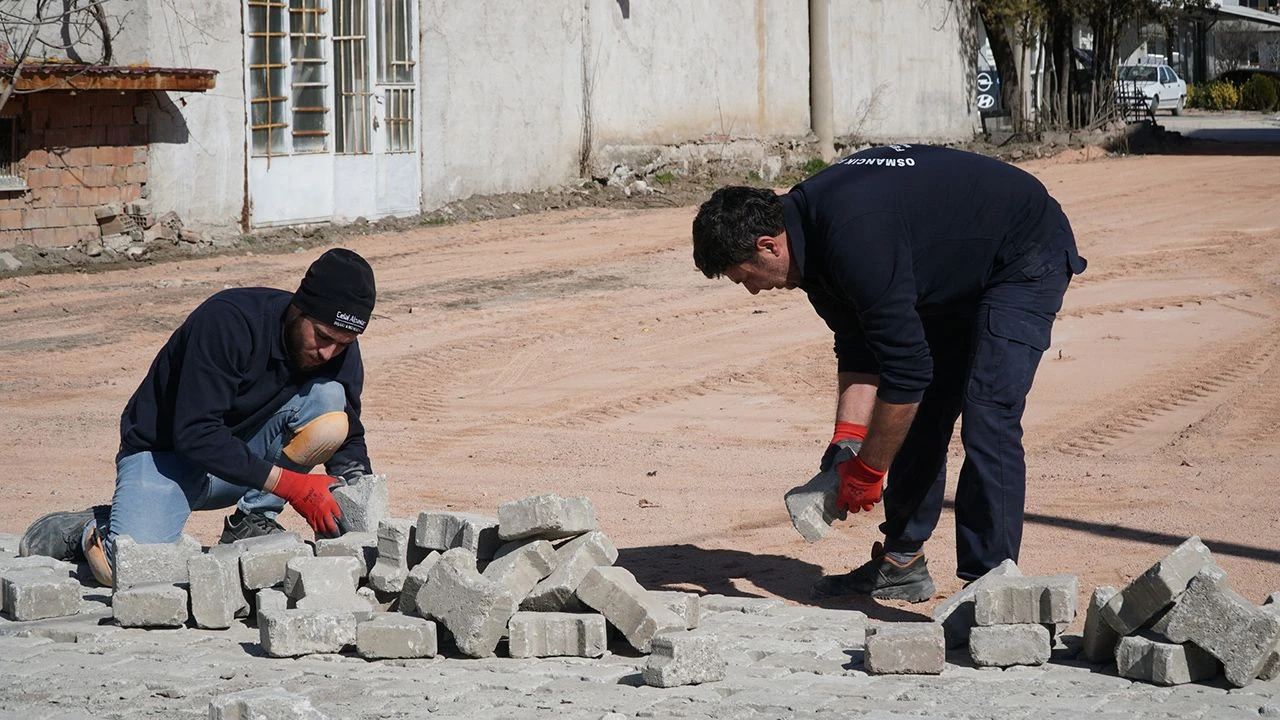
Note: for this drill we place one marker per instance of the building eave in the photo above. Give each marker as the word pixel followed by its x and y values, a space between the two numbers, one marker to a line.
pixel 69 76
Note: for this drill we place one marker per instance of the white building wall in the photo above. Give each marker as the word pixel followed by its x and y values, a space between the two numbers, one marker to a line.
pixel 501 96
pixel 901 71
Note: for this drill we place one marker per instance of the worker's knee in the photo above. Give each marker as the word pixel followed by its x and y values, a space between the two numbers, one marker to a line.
pixel 317 441
pixel 322 396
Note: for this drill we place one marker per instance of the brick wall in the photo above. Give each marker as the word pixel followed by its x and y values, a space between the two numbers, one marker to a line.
pixel 82 151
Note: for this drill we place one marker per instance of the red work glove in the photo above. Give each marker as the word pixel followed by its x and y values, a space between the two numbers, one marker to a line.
pixel 848 435
pixel 860 485
pixel 310 496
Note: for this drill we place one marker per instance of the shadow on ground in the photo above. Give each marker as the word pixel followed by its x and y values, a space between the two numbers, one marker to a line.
pixel 721 572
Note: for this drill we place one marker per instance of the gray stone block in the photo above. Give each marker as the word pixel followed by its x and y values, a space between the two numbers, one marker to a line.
pixel 812 506
pixel 38 593
pixel 520 566
pixel 1012 600
pixel 684 604
pixel 270 599
pixel 574 559
pixel 474 610
pixel 1271 668
pixel 393 635
pixel 151 605
pixel 414 582
pixel 550 634
pixel 1147 595
pixel 1100 639
pixel 360 545
pixel 263 704
pixel 36 561
pixel 956 612
pixel 9 543
pixel 363 503
pixel 905 649
pixel 216 594
pixel 640 616
pixel 1008 645
pixel 263 559
pixel 447 530
pixel 289 633
pixel 395 537
pixel 1224 624
pixel 1161 663
pixel 146 563
pixel 549 517
pixel 684 658
pixel 305 576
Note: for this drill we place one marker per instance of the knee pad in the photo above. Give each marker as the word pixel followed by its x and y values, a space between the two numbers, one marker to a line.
pixel 317 441
pixel 96 557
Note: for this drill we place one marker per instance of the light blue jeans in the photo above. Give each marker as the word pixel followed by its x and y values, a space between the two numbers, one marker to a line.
pixel 157 491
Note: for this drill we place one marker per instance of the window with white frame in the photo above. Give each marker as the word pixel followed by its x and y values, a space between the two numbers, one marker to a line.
pixel 352 120
pixel 395 71
pixel 288 77
pixel 267 98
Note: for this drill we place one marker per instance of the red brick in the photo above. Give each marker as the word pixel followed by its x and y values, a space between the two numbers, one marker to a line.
pixel 78 216
pixel 122 155
pixel 78 157
pixel 41 197
pixel 103 155
pixel 119 175
pixel 37 158
pixel 57 217
pixel 130 192
pixel 67 177
pixel 67 197
pixel 110 195
pixel 32 219
pixel 96 176
pixel 139 154
pixel 10 238
pixel 10 220
pixel 137 173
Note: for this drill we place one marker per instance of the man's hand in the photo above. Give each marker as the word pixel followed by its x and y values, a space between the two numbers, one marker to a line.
pixel 310 496
pixel 860 485
pixel 847 435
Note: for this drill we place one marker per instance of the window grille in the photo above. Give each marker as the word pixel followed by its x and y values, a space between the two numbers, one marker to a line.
pixel 399 111
pixel 10 167
pixel 309 83
pixel 352 121
pixel 395 42
pixel 267 77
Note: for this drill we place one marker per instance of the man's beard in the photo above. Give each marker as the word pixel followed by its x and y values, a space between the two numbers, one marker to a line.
pixel 298 359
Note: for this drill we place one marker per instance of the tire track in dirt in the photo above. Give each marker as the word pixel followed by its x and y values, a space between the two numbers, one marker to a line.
pixel 1146 304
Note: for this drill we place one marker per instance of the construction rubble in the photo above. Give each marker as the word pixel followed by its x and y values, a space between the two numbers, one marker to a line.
pixel 539 580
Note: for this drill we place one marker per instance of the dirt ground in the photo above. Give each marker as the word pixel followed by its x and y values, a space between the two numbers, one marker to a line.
pixel 579 352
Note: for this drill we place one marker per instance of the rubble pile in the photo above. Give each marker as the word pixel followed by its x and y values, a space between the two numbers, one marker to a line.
pixel 133 230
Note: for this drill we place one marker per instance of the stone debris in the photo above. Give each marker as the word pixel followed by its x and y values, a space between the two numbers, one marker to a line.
pixel 684 658
pixel 360 545
pixel 1224 624
pixel 956 612
pixel 144 563
pixel 363 502
pixel 574 559
pixel 473 609
pixel 615 593
pixel 264 704
pixel 520 566
pixel 1162 663
pixel 905 649
pixel 1100 639
pixel 395 537
pixel 447 530
pixel 1143 599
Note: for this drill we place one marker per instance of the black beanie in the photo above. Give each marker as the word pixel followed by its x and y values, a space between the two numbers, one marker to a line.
pixel 338 290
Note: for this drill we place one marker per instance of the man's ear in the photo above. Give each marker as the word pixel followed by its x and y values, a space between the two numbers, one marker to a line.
pixel 768 244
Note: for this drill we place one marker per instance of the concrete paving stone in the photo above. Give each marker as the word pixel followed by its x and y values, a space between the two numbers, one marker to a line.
pixel 35 561
pixel 905 648
pixel 1006 645
pixel 1271 667
pixel 346 601
pixel 615 593
pixel 360 545
pixel 1161 663
pixel 1154 590
pixel 395 635
pixel 217 597
pixel 441 531
pixel 473 609
pixel 684 604
pixel 144 563
pixel 684 658
pixel 263 559
pixel 1015 600
pixel 413 582
pixel 395 537
pixel 812 506
pixel 152 605
pixel 1232 629
pixel 533 634
pixel 521 565
pixel 1099 641
pixel 715 603
pixel 308 575
pixel 39 593
pixel 270 599
pixel 956 612
pixel 574 559
pixel 288 633
pixel 549 517
pixel 263 704
pixel 363 503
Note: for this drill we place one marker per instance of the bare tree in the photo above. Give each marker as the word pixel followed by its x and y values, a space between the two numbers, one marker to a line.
pixel 36 31
pixel 1237 43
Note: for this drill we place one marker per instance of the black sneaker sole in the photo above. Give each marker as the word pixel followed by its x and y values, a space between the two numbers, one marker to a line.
pixel 916 592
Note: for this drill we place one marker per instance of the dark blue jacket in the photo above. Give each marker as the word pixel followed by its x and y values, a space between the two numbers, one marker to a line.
pixel 891 236
pixel 218 379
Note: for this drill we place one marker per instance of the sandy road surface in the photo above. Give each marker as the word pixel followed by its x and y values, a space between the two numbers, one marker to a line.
pixel 581 353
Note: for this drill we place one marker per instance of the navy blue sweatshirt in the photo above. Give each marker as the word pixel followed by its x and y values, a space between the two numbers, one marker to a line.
pixel 891 236
pixel 220 376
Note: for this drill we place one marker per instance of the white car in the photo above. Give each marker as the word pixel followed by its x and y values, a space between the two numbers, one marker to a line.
pixel 1159 84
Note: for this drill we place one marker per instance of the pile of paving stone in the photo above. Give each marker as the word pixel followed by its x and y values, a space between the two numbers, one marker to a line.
pixel 538 579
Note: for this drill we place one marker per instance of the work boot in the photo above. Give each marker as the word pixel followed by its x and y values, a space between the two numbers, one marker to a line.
pixel 882 578
pixel 240 525
pixel 58 535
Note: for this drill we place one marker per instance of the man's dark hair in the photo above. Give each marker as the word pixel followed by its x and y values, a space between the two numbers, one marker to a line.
pixel 727 225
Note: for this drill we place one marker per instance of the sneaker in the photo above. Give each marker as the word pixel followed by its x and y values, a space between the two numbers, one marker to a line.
pixel 240 525
pixel 881 578
pixel 57 535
